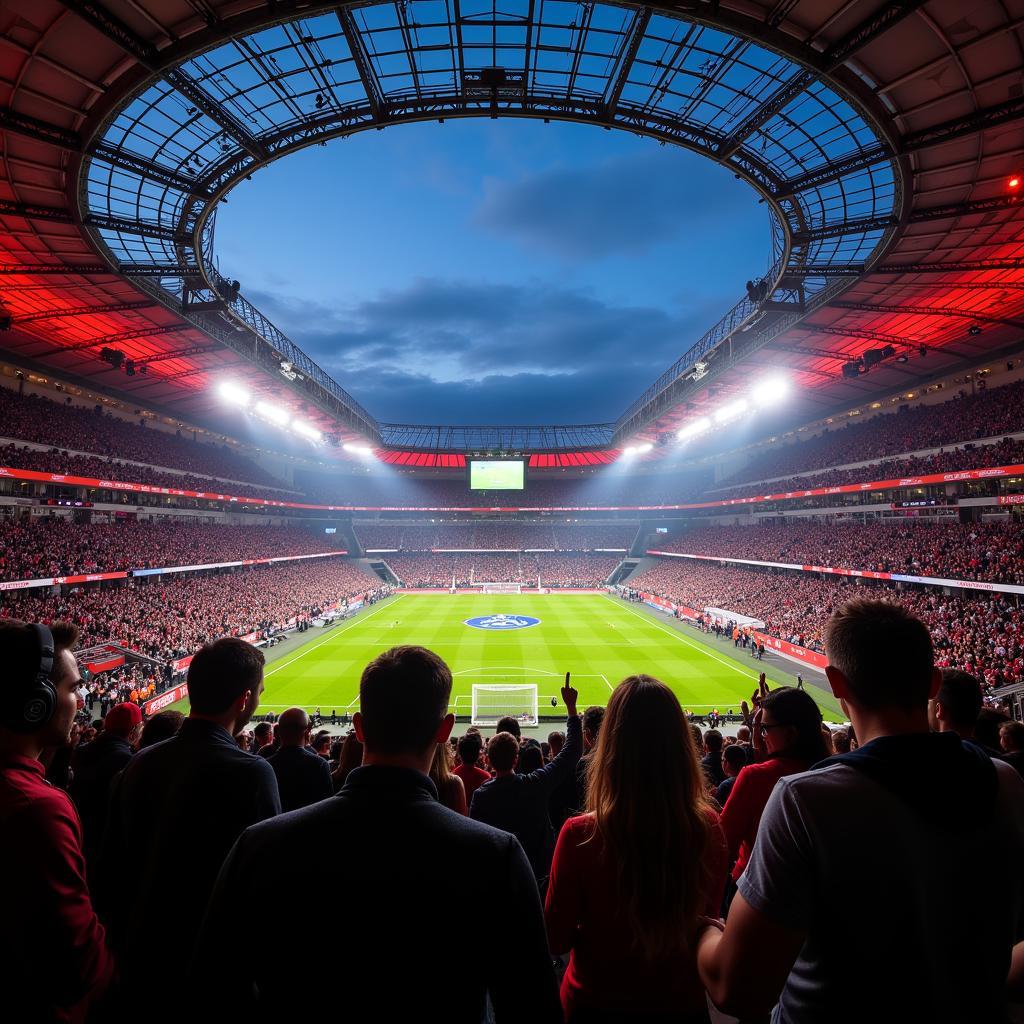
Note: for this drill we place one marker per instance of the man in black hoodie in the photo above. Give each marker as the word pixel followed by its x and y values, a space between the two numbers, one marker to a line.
pixel 888 831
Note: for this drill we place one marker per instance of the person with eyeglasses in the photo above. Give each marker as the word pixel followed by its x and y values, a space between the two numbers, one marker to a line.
pixel 786 735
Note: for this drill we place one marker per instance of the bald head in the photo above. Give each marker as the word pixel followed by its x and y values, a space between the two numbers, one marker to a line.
pixel 293 728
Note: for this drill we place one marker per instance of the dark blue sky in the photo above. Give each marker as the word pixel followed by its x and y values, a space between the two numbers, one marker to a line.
pixel 493 271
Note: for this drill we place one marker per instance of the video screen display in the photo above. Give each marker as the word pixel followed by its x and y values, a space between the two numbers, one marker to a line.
pixel 496 475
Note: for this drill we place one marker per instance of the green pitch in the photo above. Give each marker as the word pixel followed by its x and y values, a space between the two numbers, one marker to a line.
pixel 599 639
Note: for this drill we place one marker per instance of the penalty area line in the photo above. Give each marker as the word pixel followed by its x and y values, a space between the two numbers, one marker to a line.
pixel 326 640
pixel 689 643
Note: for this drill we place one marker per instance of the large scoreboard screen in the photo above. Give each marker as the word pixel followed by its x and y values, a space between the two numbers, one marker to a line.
pixel 496 474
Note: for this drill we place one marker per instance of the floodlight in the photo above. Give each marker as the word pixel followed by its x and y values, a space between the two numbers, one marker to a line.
pixel 771 391
pixel 731 411
pixel 645 447
pixel 307 430
pixel 694 428
pixel 358 449
pixel 274 413
pixel 234 394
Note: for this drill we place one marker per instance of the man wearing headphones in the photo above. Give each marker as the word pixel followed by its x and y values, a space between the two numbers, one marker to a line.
pixel 54 958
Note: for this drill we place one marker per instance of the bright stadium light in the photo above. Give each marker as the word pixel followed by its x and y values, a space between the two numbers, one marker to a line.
pixel 307 430
pixel 731 411
pixel 637 449
pixel 770 391
pixel 693 429
pixel 234 394
pixel 274 413
pixel 357 449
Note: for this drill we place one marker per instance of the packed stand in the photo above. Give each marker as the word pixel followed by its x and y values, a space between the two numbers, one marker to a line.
pixel 1003 453
pixel 496 536
pixel 978 632
pixel 992 412
pixel 579 570
pixel 169 618
pixel 651 868
pixel 987 552
pixel 72 428
pixel 44 547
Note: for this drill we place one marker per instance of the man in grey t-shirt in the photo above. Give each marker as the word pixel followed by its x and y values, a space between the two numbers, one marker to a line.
pixel 902 834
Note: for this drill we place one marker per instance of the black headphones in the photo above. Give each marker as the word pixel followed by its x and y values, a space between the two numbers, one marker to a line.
pixel 27 710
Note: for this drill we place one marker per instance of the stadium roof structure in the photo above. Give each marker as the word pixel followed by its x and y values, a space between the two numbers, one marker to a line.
pixel 881 134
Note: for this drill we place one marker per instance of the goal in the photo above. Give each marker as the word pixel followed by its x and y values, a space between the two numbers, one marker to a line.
pixel 501 588
pixel 492 701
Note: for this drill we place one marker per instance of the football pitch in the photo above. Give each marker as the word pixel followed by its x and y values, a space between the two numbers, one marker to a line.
pixel 599 639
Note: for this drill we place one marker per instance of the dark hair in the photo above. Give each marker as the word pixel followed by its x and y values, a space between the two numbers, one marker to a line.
pixel 592 719
pixel 221 672
pixel 19 649
pixel 1014 731
pixel 713 740
pixel 160 727
pixel 790 706
pixel 735 756
pixel 884 652
pixel 403 698
pixel 510 725
pixel 263 733
pixel 502 751
pixel 988 726
pixel 960 697
pixel 556 737
pixel 470 746
pixel 530 759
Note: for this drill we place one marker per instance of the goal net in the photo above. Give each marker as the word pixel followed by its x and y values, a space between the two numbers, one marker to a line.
pixel 501 588
pixel 492 701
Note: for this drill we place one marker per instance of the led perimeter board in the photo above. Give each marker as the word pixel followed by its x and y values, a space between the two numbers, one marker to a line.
pixel 496 474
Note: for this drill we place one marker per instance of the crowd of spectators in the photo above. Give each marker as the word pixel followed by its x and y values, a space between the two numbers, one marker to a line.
pixel 979 632
pixel 1008 452
pixel 987 552
pixel 496 536
pixel 56 546
pixel 171 617
pixel 656 868
pixel 73 428
pixel 442 571
pixel 990 412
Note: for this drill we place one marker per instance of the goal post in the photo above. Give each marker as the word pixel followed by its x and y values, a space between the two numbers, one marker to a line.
pixel 501 588
pixel 494 701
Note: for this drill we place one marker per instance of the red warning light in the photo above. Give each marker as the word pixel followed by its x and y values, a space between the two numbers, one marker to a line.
pixel 1014 182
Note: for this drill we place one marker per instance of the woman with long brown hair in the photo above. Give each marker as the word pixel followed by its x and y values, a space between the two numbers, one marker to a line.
pixel 632 877
pixel 450 790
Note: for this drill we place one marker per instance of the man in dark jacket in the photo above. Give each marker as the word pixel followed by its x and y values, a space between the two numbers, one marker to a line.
pixel 303 776
pixel 407 863
pixel 94 768
pixel 177 809
pixel 519 803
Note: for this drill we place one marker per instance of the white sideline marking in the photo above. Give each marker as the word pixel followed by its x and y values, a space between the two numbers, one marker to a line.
pixel 606 683
pixel 689 643
pixel 328 639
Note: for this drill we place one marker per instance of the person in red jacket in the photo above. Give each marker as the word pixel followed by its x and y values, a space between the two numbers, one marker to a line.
pixel 788 739
pixel 632 877
pixel 54 958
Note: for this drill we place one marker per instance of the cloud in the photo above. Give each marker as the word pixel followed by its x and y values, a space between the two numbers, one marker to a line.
pixel 622 205
pixel 457 351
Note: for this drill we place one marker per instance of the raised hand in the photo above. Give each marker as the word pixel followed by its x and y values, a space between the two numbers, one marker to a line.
pixel 569 697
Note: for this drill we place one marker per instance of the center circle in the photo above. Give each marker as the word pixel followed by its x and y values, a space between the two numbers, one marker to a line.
pixel 501 622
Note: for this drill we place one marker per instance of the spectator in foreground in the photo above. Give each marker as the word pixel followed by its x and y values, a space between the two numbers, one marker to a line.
pixel 94 767
pixel 519 803
pixel 955 708
pixel 711 762
pixel 883 829
pixel 1011 742
pixel 351 757
pixel 631 877
pixel 416 862
pixel 175 812
pixel 450 790
pixel 303 776
pixel 161 726
pixel 469 770
pixel 570 795
pixel 54 958
pixel 734 760
pixel 787 736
